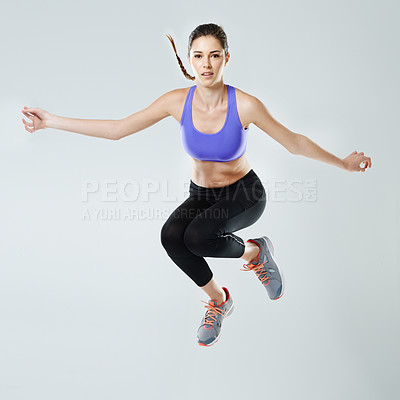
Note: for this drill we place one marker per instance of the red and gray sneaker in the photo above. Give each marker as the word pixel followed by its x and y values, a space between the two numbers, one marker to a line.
pixel 266 269
pixel 210 327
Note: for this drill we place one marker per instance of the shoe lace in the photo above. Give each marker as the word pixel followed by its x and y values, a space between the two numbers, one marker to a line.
pixel 211 313
pixel 258 269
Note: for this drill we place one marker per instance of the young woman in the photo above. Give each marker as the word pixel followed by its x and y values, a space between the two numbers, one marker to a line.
pixel 226 195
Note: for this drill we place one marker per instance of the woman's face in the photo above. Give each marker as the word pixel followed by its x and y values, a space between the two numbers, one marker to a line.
pixel 207 55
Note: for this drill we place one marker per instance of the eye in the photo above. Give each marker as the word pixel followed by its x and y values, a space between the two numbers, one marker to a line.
pixel 198 55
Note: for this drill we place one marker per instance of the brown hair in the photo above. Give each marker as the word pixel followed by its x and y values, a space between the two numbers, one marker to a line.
pixel 202 30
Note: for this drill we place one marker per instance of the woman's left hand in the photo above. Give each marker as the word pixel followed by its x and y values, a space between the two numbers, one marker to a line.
pixel 352 162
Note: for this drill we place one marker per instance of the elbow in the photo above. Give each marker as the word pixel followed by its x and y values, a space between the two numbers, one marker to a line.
pixel 296 144
pixel 115 133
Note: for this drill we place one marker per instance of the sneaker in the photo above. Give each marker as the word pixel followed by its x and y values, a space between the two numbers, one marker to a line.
pixel 210 327
pixel 266 269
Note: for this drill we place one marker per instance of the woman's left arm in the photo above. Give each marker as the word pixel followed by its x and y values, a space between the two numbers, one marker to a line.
pixel 299 144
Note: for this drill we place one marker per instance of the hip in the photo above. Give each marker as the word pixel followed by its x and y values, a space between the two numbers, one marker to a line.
pixel 248 189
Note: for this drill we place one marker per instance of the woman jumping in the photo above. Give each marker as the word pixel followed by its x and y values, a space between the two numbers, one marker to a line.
pixel 225 194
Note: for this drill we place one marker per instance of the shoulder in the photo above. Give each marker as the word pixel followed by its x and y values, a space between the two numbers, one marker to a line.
pixel 248 106
pixel 246 100
pixel 174 101
pixel 177 94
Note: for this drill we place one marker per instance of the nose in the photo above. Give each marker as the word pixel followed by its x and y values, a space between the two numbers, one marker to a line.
pixel 206 64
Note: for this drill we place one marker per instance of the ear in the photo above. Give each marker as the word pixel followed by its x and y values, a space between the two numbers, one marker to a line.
pixel 228 56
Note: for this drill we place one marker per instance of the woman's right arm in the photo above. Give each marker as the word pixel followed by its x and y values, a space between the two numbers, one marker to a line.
pixel 107 129
pixel 155 112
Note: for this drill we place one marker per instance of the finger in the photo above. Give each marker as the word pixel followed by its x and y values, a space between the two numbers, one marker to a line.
pixel 367 160
pixel 370 162
pixel 364 167
pixel 29 109
pixel 27 115
pixel 25 122
pixel 362 153
pixel 31 130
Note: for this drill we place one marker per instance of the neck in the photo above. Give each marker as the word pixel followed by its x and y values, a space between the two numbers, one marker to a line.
pixel 210 97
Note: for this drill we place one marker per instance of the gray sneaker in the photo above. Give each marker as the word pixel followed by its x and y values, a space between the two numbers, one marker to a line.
pixel 266 269
pixel 210 327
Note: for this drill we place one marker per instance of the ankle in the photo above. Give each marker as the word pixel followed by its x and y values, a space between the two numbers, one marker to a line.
pixel 251 252
pixel 221 298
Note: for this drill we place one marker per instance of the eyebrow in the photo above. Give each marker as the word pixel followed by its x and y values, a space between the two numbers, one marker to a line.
pixel 214 51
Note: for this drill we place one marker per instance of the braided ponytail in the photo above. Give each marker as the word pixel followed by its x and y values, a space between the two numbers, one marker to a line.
pixel 188 76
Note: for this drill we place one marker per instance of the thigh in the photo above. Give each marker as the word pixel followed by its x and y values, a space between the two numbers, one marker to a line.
pixel 231 213
pixel 176 224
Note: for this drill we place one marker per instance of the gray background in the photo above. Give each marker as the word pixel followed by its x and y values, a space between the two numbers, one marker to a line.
pixel 95 309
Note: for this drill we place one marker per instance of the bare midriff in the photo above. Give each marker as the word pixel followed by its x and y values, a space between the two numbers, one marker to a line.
pixel 214 174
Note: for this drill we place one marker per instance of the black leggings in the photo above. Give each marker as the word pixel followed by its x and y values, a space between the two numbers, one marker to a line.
pixel 202 225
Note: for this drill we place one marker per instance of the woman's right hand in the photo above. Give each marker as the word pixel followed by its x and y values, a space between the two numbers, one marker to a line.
pixel 39 118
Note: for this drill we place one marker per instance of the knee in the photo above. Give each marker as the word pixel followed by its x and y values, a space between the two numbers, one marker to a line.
pixel 168 236
pixel 171 237
pixel 198 242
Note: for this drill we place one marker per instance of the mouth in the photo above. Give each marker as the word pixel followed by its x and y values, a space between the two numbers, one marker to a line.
pixel 207 74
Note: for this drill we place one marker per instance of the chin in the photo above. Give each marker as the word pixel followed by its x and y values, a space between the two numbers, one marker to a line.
pixel 208 82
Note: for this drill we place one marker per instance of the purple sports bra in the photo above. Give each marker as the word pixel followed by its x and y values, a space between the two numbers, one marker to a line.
pixel 227 144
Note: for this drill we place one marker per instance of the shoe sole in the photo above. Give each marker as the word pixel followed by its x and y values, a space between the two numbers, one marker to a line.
pixel 271 250
pixel 220 332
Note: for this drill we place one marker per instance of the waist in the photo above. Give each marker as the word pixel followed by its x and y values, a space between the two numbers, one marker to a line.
pixel 250 178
